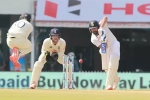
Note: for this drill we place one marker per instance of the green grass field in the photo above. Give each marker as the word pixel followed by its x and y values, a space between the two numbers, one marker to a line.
pixel 39 94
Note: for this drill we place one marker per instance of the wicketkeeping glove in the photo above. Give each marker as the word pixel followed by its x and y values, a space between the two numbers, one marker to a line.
pixel 54 55
pixel 49 58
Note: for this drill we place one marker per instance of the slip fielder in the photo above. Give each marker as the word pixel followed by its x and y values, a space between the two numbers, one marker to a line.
pixel 53 49
pixel 103 38
pixel 17 38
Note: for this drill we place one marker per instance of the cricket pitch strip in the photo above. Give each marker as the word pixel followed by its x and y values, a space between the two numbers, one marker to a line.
pixel 41 94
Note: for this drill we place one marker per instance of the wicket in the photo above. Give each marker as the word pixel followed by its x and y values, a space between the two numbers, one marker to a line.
pixel 68 72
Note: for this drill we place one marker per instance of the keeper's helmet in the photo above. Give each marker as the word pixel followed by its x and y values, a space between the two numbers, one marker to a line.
pixel 54 31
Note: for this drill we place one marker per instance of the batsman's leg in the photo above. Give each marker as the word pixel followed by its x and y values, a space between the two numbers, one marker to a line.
pixel 37 71
pixel 117 79
pixel 112 73
pixel 115 85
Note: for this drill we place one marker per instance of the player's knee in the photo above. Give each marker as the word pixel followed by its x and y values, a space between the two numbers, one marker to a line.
pixel 38 64
pixel 114 63
pixel 9 43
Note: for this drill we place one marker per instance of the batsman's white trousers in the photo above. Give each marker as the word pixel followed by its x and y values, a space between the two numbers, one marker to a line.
pixel 112 52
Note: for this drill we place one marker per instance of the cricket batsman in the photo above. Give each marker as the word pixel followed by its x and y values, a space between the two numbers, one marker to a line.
pixel 104 39
pixel 17 38
pixel 53 49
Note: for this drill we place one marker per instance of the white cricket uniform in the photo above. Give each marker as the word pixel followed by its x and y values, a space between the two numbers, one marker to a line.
pixel 17 36
pixel 47 46
pixel 113 46
pixel 110 59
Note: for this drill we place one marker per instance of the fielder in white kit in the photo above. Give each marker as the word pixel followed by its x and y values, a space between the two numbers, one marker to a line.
pixel 17 38
pixel 53 49
pixel 110 53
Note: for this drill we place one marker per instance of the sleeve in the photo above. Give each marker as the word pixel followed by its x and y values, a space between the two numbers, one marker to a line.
pixel 100 22
pixel 61 52
pixel 100 29
pixel 30 29
pixel 104 25
pixel 45 46
pixel 96 42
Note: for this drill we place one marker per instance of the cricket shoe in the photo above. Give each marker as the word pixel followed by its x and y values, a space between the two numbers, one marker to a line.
pixel 32 86
pixel 14 57
pixel 115 85
pixel 109 87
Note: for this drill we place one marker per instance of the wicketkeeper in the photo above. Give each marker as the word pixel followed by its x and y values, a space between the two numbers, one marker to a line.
pixel 53 49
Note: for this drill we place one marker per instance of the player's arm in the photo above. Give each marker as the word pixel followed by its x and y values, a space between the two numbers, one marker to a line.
pixel 45 52
pixel 99 46
pixel 13 25
pixel 101 30
pixel 29 31
pixel 30 28
pixel 51 58
pixel 96 43
pixel 45 46
pixel 103 22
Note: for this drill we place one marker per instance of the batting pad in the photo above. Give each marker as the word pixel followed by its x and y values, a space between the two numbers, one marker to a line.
pixel 36 72
pixel 112 74
pixel 116 80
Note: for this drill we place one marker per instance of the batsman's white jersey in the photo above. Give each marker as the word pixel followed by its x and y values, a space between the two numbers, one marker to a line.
pixel 17 36
pixel 110 59
pixel 111 38
pixel 47 46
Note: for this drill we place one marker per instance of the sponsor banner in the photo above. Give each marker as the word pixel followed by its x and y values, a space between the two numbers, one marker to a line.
pixel 85 24
pixel 52 80
pixel 86 10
